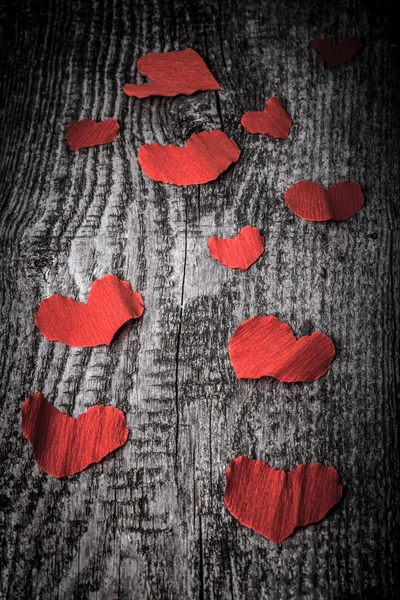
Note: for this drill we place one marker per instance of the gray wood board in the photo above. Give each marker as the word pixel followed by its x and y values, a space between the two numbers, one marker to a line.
pixel 149 521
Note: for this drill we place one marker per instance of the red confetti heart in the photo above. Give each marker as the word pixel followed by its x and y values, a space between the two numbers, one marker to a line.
pixel 111 303
pixel 337 54
pixel 239 252
pixel 265 346
pixel 88 133
pixel 273 120
pixel 273 502
pixel 172 73
pixel 63 445
pixel 205 156
pixel 312 202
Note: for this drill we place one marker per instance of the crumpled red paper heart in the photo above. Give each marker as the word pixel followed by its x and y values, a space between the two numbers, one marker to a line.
pixel 273 120
pixel 312 202
pixel 111 303
pixel 266 346
pixel 63 445
pixel 205 156
pixel 172 73
pixel 88 133
pixel 239 252
pixel 337 54
pixel 273 503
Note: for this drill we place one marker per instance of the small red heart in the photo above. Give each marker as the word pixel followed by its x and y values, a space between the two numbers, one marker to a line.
pixel 312 202
pixel 88 133
pixel 337 54
pixel 239 252
pixel 172 73
pixel 111 303
pixel 273 503
pixel 63 445
pixel 205 156
pixel 273 120
pixel 267 347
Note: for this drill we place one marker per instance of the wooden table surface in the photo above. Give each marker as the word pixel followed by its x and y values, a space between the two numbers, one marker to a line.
pixel 149 521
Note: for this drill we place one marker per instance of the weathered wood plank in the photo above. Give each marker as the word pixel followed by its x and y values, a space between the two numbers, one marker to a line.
pixel 149 521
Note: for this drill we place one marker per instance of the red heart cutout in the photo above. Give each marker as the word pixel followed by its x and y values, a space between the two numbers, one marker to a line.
pixel 63 445
pixel 337 54
pixel 111 303
pixel 88 133
pixel 172 73
pixel 265 346
pixel 239 252
pixel 273 120
pixel 312 202
pixel 205 156
pixel 273 502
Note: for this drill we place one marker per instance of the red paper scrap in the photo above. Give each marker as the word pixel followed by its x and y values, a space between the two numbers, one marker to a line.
pixel 312 202
pixel 111 303
pixel 273 120
pixel 266 346
pixel 239 252
pixel 273 503
pixel 88 133
pixel 172 73
pixel 337 54
pixel 205 156
pixel 63 445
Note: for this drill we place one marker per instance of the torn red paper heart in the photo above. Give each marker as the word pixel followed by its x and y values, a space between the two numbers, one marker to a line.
pixel 239 252
pixel 266 346
pixel 312 202
pixel 337 54
pixel 63 445
pixel 111 303
pixel 172 73
pixel 273 503
pixel 88 133
pixel 273 120
pixel 205 156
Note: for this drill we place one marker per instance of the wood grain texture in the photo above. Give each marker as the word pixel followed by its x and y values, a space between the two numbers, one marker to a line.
pixel 149 521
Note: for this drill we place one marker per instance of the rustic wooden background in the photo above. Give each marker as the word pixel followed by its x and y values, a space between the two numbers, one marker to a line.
pixel 149 521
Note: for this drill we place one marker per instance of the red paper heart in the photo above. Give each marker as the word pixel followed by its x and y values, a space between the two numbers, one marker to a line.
pixel 337 54
pixel 273 120
pixel 88 133
pixel 312 202
pixel 265 346
pixel 239 252
pixel 205 156
pixel 63 445
pixel 273 502
pixel 111 303
pixel 172 73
